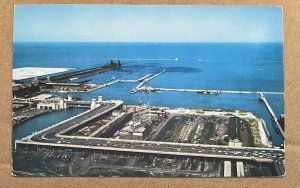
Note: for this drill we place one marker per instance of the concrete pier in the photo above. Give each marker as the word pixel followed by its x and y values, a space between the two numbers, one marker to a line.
pixel 274 118
pixel 147 80
pixel 208 91
pixel 109 83
pixel 143 78
pixel 83 73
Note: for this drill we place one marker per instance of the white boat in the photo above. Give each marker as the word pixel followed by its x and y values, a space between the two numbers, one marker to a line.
pixel 74 78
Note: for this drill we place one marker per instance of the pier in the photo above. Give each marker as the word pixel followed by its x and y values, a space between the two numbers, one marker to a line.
pixel 208 91
pixel 83 73
pixel 274 118
pixel 138 80
pixel 128 81
pixel 109 83
pixel 143 78
pixel 205 91
pixel 147 78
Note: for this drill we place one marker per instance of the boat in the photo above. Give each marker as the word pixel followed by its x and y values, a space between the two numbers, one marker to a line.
pixel 74 78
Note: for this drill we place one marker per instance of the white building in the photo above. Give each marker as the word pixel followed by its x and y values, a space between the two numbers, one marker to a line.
pixel 52 104
pixel 97 103
pixel 235 143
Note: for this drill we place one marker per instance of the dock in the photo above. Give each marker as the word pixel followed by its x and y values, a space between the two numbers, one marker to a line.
pixel 143 78
pixel 208 91
pixel 205 91
pixel 83 73
pixel 138 80
pixel 146 79
pixel 109 83
pixel 274 118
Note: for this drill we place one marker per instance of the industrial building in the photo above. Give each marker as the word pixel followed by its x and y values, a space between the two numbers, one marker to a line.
pixel 25 90
pixel 235 143
pixel 132 134
pixel 52 104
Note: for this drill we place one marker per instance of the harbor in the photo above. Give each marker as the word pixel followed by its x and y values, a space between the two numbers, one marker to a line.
pixel 58 83
pixel 67 137
pixel 134 113
pixel 147 91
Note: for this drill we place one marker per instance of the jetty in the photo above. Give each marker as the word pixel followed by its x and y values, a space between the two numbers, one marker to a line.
pixel 209 91
pixel 82 73
pixel 274 118
pixel 146 79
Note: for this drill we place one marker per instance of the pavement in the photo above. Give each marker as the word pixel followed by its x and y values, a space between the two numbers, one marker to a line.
pixel 53 137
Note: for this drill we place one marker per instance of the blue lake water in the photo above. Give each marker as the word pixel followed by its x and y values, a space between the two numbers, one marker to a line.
pixel 224 66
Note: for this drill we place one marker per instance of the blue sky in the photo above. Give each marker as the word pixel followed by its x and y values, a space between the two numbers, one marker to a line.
pixel 140 23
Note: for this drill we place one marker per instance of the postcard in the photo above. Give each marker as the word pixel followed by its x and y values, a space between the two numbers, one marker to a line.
pixel 148 91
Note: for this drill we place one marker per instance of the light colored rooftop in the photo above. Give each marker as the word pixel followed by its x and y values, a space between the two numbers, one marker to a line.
pixel 41 97
pixel 126 129
pixel 31 72
pixel 140 129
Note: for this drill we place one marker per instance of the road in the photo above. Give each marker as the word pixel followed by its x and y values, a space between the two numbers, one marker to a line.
pixel 50 134
pixel 54 137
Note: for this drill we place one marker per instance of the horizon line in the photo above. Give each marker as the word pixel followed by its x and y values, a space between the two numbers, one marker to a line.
pixel 148 42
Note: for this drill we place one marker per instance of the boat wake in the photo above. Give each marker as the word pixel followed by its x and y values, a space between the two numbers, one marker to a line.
pixel 142 59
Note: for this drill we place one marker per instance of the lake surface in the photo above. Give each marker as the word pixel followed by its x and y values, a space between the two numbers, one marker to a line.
pixel 222 66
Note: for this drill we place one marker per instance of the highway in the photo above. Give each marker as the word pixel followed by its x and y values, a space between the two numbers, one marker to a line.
pixel 53 136
pixel 49 135
pixel 256 154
